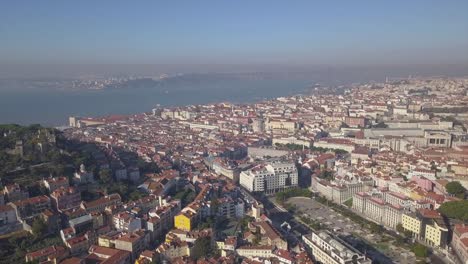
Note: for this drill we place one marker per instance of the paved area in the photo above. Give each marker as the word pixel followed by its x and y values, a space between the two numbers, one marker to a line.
pixel 352 232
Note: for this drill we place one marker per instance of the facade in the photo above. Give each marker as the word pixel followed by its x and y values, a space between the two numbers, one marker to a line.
pixel 52 253
pixel 335 143
pixel 134 243
pixel 100 204
pixel 226 168
pixel 281 126
pixel 436 234
pixel 65 198
pixel 329 249
pixel 53 184
pixel 230 208
pixel 377 209
pixel 426 225
pixel 292 140
pixel 8 220
pixel 270 177
pixel 269 235
pixel 460 242
pixel 83 176
pixel 174 249
pixel 355 121
pixel 437 138
pixel 255 251
pixel 31 207
pixel 411 223
pixel 185 220
pixel 126 221
pixel 14 192
pixel 341 191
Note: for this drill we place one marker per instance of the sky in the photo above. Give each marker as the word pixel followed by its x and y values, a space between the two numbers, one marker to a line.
pixel 234 32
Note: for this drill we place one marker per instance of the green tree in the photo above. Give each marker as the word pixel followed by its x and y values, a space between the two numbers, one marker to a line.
pixel 39 227
pixel 105 176
pixel 399 228
pixel 375 228
pixel 455 188
pixel 202 248
pixel 455 209
pixel 349 202
pixel 420 250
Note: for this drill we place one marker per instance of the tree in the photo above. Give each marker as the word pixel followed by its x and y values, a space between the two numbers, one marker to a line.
pixel 375 228
pixel 455 188
pixel 399 228
pixel 349 202
pixel 105 175
pixel 39 227
pixel 202 247
pixel 455 209
pixel 420 250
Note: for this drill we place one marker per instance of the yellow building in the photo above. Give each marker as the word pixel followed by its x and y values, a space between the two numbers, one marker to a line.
pixel 281 125
pixel 436 234
pixel 416 195
pixel 411 223
pixel 185 221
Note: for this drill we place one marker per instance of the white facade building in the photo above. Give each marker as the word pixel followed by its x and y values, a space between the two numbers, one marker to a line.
pixel 270 177
pixel 329 249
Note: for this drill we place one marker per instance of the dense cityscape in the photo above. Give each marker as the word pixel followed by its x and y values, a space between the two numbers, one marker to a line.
pixel 234 132
pixel 373 173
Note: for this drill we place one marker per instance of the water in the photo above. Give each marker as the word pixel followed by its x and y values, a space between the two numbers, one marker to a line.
pixel 53 107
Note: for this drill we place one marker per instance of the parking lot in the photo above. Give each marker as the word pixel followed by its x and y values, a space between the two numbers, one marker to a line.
pixel 349 230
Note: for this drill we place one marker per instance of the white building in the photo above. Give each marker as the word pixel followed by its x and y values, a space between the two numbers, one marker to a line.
pixel 329 249
pixel 376 209
pixel 270 177
pixel 83 176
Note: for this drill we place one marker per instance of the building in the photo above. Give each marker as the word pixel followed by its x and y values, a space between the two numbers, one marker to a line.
pixel 13 193
pixel 126 221
pixel 185 220
pixel 270 177
pixel 341 189
pixel 335 143
pixel 98 254
pixel 291 140
pixel 65 198
pixel 54 254
pixel 281 126
pixel 100 204
pixel 412 223
pixel 226 168
pixel 269 235
pixel 255 251
pixel 377 209
pixel 437 138
pixel 134 243
pixel 230 208
pixel 8 219
pixel 174 249
pixel 426 225
pixel 53 184
pixel 258 125
pixel 460 242
pixel 31 207
pixel 83 176
pixel 355 121
pixel 329 249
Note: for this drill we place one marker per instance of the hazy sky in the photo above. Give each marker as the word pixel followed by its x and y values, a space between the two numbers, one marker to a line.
pixel 202 31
